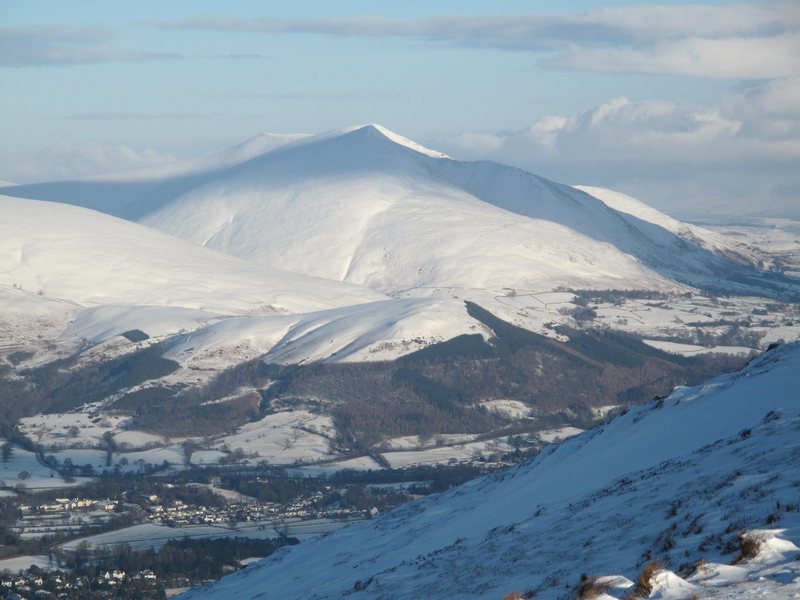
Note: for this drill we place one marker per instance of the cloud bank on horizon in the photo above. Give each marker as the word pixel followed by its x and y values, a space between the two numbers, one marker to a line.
pixel 694 108
pixel 740 155
pixel 730 41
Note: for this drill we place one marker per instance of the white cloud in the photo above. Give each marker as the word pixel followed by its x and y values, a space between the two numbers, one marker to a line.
pixel 649 22
pixel 747 40
pixel 648 129
pixel 53 46
pixel 481 143
pixel 769 111
pixel 741 152
pixel 737 57
pixel 135 116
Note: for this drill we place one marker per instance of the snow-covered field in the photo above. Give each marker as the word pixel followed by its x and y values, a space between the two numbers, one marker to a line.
pixel 414 442
pixel 360 463
pixel 150 535
pixel 779 239
pixel 559 434
pixel 23 471
pixel 22 563
pixel 513 409
pixel 284 438
pixel 207 457
pixel 691 349
pixel 132 440
pixel 676 479
pixel 296 438
pixel 682 316
pixel 456 453
pixel 62 430
pixel 173 454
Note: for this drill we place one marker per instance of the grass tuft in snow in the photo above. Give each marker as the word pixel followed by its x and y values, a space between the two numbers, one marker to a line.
pixel 591 587
pixel 749 547
pixel 644 583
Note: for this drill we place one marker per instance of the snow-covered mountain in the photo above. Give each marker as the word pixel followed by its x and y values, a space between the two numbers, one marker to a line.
pixel 70 275
pixel 370 207
pixel 75 255
pixel 363 206
pixel 73 274
pixel 678 480
pixel 358 246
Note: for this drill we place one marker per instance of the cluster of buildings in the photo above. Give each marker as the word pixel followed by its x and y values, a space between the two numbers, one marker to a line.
pixel 63 515
pixel 179 514
pixel 36 583
pixel 63 505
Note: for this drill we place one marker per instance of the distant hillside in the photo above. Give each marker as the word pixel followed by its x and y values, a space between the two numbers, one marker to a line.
pixel 440 389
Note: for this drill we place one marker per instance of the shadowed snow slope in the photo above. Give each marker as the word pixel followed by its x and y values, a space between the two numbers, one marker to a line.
pixel 631 206
pixel 675 479
pixel 131 193
pixel 66 253
pixel 206 164
pixel 370 207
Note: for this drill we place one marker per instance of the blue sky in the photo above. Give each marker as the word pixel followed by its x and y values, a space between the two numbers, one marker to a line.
pixel 688 106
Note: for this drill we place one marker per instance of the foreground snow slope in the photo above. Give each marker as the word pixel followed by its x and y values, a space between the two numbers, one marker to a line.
pixel 368 206
pixel 69 254
pixel 675 479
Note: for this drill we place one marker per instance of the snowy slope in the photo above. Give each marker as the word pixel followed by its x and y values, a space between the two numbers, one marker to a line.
pixel 675 479
pixel 705 238
pixel 368 206
pixel 69 254
pixel 372 331
pixel 69 274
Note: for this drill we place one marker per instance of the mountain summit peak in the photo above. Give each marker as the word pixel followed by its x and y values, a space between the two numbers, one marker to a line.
pixel 375 128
